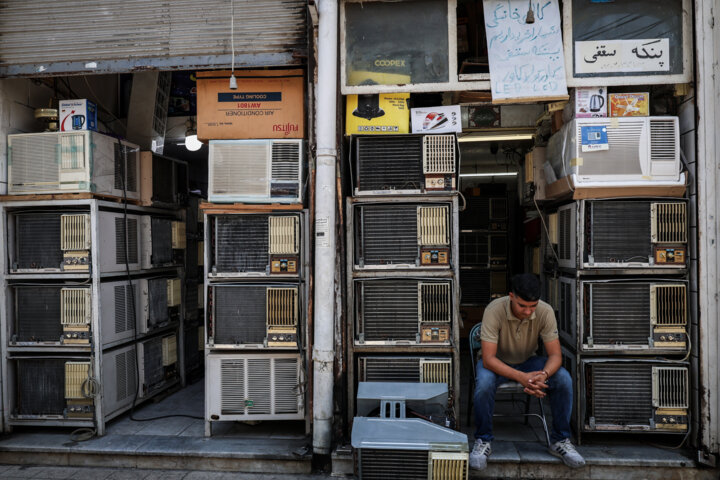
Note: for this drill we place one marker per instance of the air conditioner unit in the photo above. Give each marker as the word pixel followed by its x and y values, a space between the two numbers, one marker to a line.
pixel 567 314
pixel 157 362
pixel 480 286
pixel 160 303
pixel 161 241
pixel 405 164
pixel 120 242
pixel 69 162
pixel 254 387
pixel 163 181
pixel 623 234
pixel 255 245
pixel 255 171
pixel 637 316
pixel 51 315
pixel 403 235
pixel 253 316
pixel 406 369
pixel 618 151
pixel 119 379
pixel 485 213
pixel 635 396
pixel 121 308
pixel 403 311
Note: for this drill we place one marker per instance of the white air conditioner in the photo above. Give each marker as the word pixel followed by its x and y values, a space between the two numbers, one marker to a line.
pixel 630 151
pixel 120 242
pixel 254 387
pixel 160 238
pixel 119 379
pixel 68 162
pixel 255 171
pixel 416 369
pixel 121 307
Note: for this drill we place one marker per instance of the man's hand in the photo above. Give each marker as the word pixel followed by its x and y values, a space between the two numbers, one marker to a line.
pixel 534 383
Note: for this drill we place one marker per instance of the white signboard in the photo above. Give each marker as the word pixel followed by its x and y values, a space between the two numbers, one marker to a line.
pixel 436 119
pixel 601 56
pixel 526 59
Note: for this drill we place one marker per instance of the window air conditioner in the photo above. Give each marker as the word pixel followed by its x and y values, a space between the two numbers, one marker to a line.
pixel 121 309
pixel 157 359
pixel 255 245
pixel 406 369
pixel 405 164
pixel 635 396
pixel 618 151
pixel 254 387
pixel 69 162
pixel 403 311
pixel 51 315
pixel 255 171
pixel 402 235
pixel 119 379
pixel 162 239
pixel 623 234
pixel 161 303
pixel 253 316
pixel 567 319
pixel 163 180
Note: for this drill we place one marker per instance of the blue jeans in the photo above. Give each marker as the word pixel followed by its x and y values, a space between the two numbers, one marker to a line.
pixel 559 392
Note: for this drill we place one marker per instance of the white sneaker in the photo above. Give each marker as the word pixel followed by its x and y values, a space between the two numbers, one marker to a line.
pixel 565 450
pixel 479 455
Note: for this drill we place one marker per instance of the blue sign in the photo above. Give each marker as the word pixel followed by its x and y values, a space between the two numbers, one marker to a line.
pixel 594 137
pixel 250 97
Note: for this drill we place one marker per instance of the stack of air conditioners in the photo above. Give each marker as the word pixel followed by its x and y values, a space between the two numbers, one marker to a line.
pixel 90 288
pixel 619 282
pixel 402 262
pixel 194 299
pixel 255 282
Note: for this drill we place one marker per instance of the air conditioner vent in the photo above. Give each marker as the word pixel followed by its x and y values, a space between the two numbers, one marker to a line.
pixel 284 234
pixel 239 315
pixel 435 302
pixel 669 222
pixel 435 371
pixel 389 234
pixel 621 394
pixel 668 305
pixel 72 152
pixel 388 309
pixel 126 371
pixel 670 387
pixel 449 465
pixel 240 169
pixel 76 374
pixel 75 305
pixel 620 231
pixel 622 157
pixel 474 249
pixel 27 157
pixel 287 388
pixel 565 247
pixel 38 240
pixel 157 302
pixel 125 168
pixel 162 237
pixel 75 232
pixel 433 226
pixel 612 324
pixel 282 306
pixel 174 292
pixel 438 154
pixel 663 140
pixel 241 243
pixel 124 308
pixel 285 165
pixel 377 464
pixel 40 386
pixel 390 369
pixel 153 353
pixel 120 241
pixel 389 162
pixel 475 287
pixel 38 309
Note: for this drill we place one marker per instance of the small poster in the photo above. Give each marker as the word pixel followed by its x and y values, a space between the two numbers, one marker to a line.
pixel 605 56
pixel 436 119
pixel 594 138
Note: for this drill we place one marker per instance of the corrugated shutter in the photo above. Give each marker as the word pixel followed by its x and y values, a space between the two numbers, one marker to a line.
pixel 105 36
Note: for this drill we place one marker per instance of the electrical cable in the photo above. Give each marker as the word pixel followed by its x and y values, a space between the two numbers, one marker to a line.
pixel 547 232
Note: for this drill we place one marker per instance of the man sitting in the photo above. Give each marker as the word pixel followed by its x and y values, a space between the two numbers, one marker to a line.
pixel 510 329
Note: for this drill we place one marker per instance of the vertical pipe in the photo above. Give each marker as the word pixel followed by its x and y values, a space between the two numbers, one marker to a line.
pixel 324 296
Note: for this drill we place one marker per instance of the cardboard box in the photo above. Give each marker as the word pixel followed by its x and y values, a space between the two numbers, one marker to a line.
pixel 377 113
pixel 590 102
pixel 629 104
pixel 266 104
pixel 436 119
pixel 78 114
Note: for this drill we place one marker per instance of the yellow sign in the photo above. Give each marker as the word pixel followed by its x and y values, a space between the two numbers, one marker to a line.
pixel 377 114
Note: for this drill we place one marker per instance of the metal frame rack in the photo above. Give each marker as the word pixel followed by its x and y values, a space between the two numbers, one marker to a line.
pixel 97 347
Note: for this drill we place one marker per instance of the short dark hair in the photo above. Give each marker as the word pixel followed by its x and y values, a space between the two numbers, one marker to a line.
pixel 526 286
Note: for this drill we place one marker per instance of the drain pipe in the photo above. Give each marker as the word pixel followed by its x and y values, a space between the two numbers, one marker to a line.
pixel 325 177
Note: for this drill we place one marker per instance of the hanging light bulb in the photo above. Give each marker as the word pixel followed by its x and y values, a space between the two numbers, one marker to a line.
pixel 191 140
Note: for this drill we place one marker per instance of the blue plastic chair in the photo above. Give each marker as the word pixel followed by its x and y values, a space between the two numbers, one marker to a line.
pixel 508 388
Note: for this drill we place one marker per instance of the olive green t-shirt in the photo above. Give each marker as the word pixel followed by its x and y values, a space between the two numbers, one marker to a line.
pixel 517 340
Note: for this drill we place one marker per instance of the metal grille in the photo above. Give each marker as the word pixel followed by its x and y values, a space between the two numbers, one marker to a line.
pixel 72 152
pixel 620 231
pixel 124 308
pixel 435 371
pixel 157 302
pixel 38 314
pixel 161 231
pixel 668 304
pixel 663 140
pixel 621 393
pixel 285 166
pixel 169 350
pixel 241 243
pixel 670 387
pixel 475 288
pixel 28 157
pixel 153 370
pixel 232 374
pixel 284 234
pixel 393 464
pixel 38 241
pixel 388 234
pixel 388 309
pixel 287 386
pixel 390 369
pixel 622 156
pixel 565 246
pixel 620 313
pixel 75 306
pixel 389 162
pixel 282 306
pixel 239 314
pixel 126 370
pixel 76 373
pixel 40 386
pixel 433 226
pixel 567 298
pixel 669 222
pixel 240 169
pixel 474 249
pixel 75 232
pixel 449 466
pixel 439 154
pixel 179 235
pixel 120 241
pixel 435 302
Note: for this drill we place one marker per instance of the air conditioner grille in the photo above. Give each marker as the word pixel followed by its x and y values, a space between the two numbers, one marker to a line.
pixel 622 156
pixel 232 374
pixel 449 466
pixel 38 314
pixel 169 350
pixel 72 152
pixel 28 161
pixel 157 302
pixel 286 386
pixel 620 313
pixel 663 140
pixel 40 386
pixel 38 241
pixel 388 234
pixel 240 169
pixel 435 302
pixel 124 308
pixel 282 306
pixel 433 226
pixel 565 246
pixel 126 370
pixel 383 464
pixel 670 305
pixel 241 243
pixel 125 168
pixel 388 162
pixel 285 161
pixel 620 231
pixel 259 385
pixel 120 241
pixel 435 371
pixel 670 387
pixel 475 287
pixel 389 369
pixel 240 314
pixel 389 309
pixel 566 320
pixel 161 231
pixel 75 304
pixel 621 394
pixel 284 234
pixel 76 373
pixel 75 232
pixel 669 222
pixel 438 154
pixel 153 371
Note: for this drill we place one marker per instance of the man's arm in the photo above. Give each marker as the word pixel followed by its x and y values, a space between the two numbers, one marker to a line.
pixel 495 365
pixel 552 365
